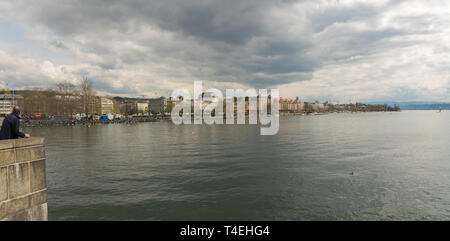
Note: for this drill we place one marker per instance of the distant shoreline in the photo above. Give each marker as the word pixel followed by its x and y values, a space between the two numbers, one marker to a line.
pixel 47 122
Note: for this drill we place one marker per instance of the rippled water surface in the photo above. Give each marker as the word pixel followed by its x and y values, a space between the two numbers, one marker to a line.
pixel 159 171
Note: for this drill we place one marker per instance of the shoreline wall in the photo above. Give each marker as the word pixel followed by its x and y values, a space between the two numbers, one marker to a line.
pixel 45 122
pixel 23 187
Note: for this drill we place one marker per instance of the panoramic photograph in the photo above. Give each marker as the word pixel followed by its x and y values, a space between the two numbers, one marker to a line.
pixel 234 111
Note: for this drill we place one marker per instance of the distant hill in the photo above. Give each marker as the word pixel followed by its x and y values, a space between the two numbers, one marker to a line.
pixel 417 105
pixel 120 99
pixel 444 106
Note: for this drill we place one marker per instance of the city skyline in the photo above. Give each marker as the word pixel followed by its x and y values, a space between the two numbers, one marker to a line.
pixel 317 50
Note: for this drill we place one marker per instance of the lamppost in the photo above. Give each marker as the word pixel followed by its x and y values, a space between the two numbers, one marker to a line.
pixel 13 99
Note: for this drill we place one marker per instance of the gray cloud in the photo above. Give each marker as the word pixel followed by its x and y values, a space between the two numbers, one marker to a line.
pixel 140 46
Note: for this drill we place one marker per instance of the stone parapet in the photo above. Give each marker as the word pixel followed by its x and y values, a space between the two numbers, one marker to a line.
pixel 23 188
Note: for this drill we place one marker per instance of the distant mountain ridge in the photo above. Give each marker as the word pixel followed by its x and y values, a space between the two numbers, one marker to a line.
pixel 444 106
pixel 419 105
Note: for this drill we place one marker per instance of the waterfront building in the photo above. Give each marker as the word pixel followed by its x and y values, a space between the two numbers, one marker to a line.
pixel 142 107
pixel 162 105
pixel 66 104
pixel 209 98
pixel 288 105
pixel 157 105
pixel 133 107
pixel 171 103
pixel 51 102
pixel 300 106
pixel 104 106
pixel 8 101
pixel 317 107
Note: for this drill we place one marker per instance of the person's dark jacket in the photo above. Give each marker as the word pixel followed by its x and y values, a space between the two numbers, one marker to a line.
pixel 10 128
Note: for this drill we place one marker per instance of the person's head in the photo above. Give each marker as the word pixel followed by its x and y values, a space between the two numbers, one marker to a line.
pixel 16 111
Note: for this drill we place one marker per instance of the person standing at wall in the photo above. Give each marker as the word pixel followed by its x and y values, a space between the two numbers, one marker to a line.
pixel 10 126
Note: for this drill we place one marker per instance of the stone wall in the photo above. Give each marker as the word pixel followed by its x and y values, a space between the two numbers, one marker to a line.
pixel 23 188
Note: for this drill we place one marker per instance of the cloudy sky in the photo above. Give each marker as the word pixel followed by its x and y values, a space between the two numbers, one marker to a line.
pixel 336 50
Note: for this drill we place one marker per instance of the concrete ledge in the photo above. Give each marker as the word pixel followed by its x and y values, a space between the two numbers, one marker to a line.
pixel 3 184
pixel 18 180
pixel 7 157
pixel 16 205
pixel 28 142
pixel 38 198
pixel 37 213
pixel 27 154
pixel 6 145
pixel 23 188
pixel 37 175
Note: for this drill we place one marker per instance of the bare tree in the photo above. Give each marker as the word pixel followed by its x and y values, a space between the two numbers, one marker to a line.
pixel 39 101
pixel 66 98
pixel 66 87
pixel 87 94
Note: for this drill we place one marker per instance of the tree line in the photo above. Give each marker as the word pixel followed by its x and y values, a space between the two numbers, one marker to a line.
pixel 65 98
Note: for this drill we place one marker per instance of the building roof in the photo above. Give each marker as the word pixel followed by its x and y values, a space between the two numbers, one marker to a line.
pixel 10 96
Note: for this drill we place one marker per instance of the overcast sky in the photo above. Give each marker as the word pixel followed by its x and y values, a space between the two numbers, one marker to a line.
pixel 317 50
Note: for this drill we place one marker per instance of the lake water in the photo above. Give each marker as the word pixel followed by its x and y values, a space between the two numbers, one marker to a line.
pixel 159 171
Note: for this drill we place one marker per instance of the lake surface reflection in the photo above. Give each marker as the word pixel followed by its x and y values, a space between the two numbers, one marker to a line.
pixel 159 171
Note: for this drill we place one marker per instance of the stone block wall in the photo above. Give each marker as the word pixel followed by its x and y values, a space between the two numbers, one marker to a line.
pixel 23 188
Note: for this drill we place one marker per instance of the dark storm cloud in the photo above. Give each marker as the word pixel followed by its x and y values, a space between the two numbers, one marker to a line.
pixel 228 21
pixel 224 28
pixel 137 45
pixel 329 16
pixel 233 22
pixel 57 44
